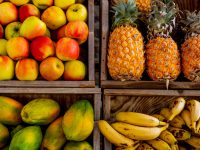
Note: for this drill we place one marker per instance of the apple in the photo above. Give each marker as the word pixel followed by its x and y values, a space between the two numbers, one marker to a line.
pixel 17 48
pixel 28 10
pixel 32 27
pixel 77 30
pixel 19 2
pixel 26 69
pixel 76 12
pixel 64 4
pixel 42 4
pixel 61 32
pixel 8 13
pixel 54 17
pixel 3 43
pixel 1 31
pixel 67 49
pixel 74 70
pixel 12 30
pixel 8 68
pixel 51 68
pixel 42 47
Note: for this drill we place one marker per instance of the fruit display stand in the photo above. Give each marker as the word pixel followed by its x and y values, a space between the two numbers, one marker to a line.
pixel 86 55
pixel 65 98
pixel 145 82
pixel 142 101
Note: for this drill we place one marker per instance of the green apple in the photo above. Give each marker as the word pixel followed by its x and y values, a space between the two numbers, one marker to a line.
pixel 12 30
pixel 76 12
pixel 64 4
pixel 32 27
pixel 3 43
pixel 19 2
pixel 8 68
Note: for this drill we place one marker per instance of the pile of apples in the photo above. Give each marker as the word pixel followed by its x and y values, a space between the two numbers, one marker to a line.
pixel 26 46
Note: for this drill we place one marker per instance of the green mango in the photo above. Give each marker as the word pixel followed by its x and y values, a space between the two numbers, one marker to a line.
pixel 4 135
pixel 15 130
pixel 78 146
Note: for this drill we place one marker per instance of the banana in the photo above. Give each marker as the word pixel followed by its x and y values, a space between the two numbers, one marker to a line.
pixel 137 132
pixel 113 136
pixel 179 134
pixel 158 144
pixel 138 119
pixel 176 107
pixel 185 114
pixel 128 148
pixel 159 117
pixel 181 148
pixel 165 112
pixel 194 107
pixel 145 146
pixel 174 147
pixel 198 126
pixel 177 122
pixel 168 137
pixel 194 142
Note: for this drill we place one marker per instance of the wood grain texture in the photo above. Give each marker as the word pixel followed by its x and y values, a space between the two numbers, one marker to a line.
pixel 188 4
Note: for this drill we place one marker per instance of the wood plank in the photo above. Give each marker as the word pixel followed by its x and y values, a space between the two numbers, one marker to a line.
pixel 96 138
pixel 91 65
pixel 106 107
pixel 97 106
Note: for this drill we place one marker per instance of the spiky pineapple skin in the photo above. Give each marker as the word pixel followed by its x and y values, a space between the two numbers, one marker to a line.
pixel 126 54
pixel 163 59
pixel 191 58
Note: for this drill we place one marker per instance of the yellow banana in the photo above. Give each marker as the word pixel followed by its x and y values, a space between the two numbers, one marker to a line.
pixel 194 142
pixel 176 107
pixel 145 146
pixel 168 137
pixel 179 134
pixel 194 108
pixel 158 144
pixel 159 117
pixel 165 112
pixel 128 148
pixel 137 132
pixel 138 119
pixel 181 148
pixel 113 136
pixel 177 122
pixel 185 114
pixel 174 147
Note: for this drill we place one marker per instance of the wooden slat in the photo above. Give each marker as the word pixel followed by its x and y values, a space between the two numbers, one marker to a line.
pixel 96 138
pixel 97 106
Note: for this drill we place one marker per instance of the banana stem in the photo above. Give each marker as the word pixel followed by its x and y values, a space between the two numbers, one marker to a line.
pixel 161 123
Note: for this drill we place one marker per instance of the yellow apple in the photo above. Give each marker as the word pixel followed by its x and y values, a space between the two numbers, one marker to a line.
pixel 8 68
pixel 19 2
pixel 74 70
pixel 76 12
pixel 54 17
pixel 42 4
pixel 3 43
pixel 12 30
pixel 64 4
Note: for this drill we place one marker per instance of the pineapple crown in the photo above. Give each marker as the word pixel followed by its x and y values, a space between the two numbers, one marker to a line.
pixel 125 13
pixel 190 25
pixel 161 20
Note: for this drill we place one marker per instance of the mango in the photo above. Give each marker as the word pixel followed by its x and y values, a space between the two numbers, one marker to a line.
pixel 78 121
pixel 10 111
pixel 28 138
pixel 54 138
pixel 4 135
pixel 40 111
pixel 78 146
pixel 16 129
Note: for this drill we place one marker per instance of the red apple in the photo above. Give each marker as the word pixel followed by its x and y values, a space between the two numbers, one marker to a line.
pixel 61 32
pixel 26 69
pixel 17 48
pixel 42 47
pixel 28 10
pixel 8 13
pixel 1 31
pixel 67 49
pixel 74 70
pixel 7 68
pixel 51 68
pixel 77 30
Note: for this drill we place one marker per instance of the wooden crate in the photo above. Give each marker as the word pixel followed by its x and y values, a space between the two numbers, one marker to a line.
pixel 65 97
pixel 145 83
pixel 143 101
pixel 86 53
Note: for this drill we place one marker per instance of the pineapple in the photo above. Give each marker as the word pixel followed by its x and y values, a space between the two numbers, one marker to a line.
pixel 143 5
pixel 126 48
pixel 163 57
pixel 191 47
